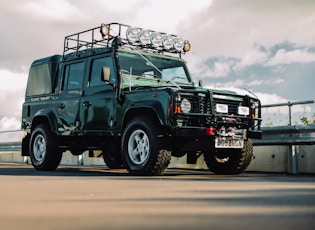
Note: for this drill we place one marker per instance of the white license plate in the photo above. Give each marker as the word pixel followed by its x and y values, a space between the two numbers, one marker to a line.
pixel 229 143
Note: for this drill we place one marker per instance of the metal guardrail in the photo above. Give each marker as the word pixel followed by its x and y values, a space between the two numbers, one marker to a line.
pixel 291 136
pixel 10 146
pixel 289 104
pixel 287 135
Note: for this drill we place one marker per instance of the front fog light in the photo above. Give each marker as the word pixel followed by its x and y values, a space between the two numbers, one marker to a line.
pixel 222 108
pixel 132 34
pixel 243 110
pixel 168 41
pixel 156 39
pixel 178 43
pixel 144 37
pixel 185 106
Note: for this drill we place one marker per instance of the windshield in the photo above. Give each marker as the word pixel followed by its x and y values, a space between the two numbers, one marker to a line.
pixel 140 69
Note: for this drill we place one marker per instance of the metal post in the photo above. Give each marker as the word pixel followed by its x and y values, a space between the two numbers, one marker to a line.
pixel 290 113
pixel 293 160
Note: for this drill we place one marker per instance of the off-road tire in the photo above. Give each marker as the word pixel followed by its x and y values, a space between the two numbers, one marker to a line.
pixel 144 149
pixel 229 161
pixel 112 160
pixel 43 149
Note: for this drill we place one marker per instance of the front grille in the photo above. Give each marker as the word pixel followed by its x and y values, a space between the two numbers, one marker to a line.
pixel 200 102
pixel 232 105
pixel 200 112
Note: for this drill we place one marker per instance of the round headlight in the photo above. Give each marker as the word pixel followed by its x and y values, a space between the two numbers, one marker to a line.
pixel 185 106
pixel 144 37
pixel 132 34
pixel 168 41
pixel 156 39
pixel 178 43
pixel 186 47
pixel 254 104
pixel 104 30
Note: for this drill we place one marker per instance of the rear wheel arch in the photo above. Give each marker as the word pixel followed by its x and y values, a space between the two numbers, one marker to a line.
pixel 43 148
pixel 46 117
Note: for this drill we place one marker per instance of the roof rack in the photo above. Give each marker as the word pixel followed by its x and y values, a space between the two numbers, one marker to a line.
pixel 104 35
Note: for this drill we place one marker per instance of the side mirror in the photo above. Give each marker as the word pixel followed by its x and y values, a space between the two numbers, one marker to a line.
pixel 105 74
pixel 200 84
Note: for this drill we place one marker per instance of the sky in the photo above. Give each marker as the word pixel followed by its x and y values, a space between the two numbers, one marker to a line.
pixel 267 47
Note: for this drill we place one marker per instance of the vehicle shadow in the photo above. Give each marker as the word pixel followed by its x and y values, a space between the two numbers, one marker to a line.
pixel 14 169
pixel 19 170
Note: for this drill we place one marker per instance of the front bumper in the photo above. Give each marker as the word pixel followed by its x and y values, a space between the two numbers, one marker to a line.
pixel 196 132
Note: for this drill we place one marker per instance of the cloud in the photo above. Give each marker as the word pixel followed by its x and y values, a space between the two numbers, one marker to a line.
pixel 10 123
pixel 253 57
pixel 52 10
pixel 215 70
pixel 273 81
pixel 236 84
pixel 294 56
pixel 273 70
pixel 232 27
pixel 12 92
pixel 36 28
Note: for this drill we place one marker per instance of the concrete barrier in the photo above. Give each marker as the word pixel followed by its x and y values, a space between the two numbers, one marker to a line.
pixel 265 159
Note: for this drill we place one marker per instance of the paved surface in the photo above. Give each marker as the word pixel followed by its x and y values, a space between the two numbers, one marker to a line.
pixel 98 198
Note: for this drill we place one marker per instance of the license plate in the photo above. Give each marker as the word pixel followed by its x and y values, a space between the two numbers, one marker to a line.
pixel 229 143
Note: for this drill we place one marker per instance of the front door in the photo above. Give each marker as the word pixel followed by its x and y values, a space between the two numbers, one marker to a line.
pixel 97 111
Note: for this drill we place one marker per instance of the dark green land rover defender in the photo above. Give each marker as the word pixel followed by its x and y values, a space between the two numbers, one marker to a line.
pixel 126 92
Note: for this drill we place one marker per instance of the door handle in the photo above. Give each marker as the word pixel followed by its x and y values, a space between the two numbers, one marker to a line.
pixel 87 104
pixel 61 106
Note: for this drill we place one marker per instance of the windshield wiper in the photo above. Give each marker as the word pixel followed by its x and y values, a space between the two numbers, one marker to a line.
pixel 152 75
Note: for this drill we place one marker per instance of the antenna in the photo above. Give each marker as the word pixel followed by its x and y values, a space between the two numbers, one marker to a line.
pixel 251 93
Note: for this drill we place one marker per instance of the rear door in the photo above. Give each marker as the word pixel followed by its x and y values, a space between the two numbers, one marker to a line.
pixel 68 105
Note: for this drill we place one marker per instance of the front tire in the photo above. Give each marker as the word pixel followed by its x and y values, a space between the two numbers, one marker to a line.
pixel 44 152
pixel 144 149
pixel 229 161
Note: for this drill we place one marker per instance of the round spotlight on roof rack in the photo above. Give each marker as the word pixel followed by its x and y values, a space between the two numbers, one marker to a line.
pixel 132 34
pixel 156 39
pixel 145 37
pixel 168 41
pixel 186 47
pixel 104 30
pixel 178 43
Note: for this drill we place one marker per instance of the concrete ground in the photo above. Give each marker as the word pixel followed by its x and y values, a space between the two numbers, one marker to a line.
pixel 93 197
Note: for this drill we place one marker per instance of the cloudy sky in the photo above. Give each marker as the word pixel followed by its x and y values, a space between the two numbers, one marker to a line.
pixel 267 46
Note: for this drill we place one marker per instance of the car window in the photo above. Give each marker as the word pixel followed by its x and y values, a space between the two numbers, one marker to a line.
pixel 96 71
pixel 73 76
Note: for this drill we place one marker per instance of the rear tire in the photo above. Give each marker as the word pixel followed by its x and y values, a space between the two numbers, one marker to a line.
pixel 229 161
pixel 144 149
pixel 112 160
pixel 43 149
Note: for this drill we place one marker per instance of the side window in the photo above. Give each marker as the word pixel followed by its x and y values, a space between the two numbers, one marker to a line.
pixel 96 71
pixel 73 76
